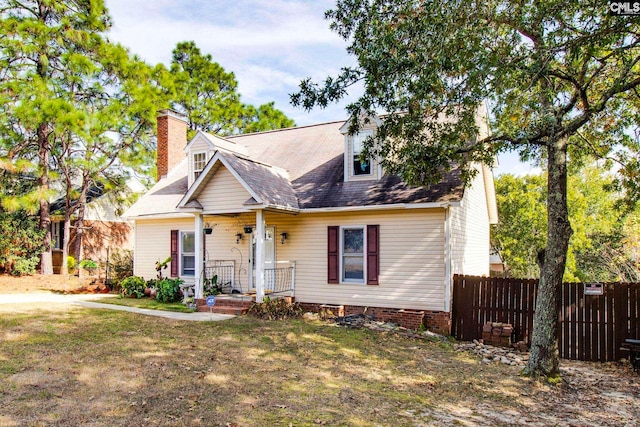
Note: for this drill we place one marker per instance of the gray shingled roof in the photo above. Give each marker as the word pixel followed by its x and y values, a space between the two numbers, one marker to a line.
pixel 164 196
pixel 324 187
pixel 314 158
pixel 299 168
pixel 271 185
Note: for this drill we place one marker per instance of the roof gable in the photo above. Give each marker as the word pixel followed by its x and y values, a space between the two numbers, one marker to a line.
pixel 265 186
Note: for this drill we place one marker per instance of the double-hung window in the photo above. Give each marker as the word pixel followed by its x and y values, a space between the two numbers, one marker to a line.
pixel 199 162
pixel 353 254
pixel 360 166
pixel 187 253
pixel 352 244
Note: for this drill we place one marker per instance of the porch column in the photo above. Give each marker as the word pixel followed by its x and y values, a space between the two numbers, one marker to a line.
pixel 259 261
pixel 199 255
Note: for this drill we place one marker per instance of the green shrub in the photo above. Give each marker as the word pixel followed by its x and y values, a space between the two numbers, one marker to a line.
pixel 133 286
pixel 88 264
pixel 71 263
pixel 20 241
pixel 276 309
pixel 120 266
pixel 168 290
pixel 25 266
pixel 210 286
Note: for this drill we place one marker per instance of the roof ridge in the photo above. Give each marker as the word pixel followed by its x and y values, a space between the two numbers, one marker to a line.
pixel 257 162
pixel 285 129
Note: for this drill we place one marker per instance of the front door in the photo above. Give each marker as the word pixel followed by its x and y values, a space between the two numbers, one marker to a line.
pixel 269 258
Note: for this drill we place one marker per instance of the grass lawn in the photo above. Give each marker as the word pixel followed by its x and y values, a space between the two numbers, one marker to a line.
pixel 146 302
pixel 76 366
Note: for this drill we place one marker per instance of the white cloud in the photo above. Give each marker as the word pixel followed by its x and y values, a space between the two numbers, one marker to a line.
pixel 270 45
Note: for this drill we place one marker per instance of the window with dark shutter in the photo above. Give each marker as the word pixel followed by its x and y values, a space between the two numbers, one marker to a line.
pixel 333 255
pixel 373 256
pixel 174 253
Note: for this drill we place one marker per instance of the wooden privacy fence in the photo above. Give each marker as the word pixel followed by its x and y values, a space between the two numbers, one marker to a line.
pixel 591 327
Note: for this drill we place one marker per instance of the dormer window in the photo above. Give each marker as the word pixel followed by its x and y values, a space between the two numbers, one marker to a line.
pixel 199 162
pixel 360 166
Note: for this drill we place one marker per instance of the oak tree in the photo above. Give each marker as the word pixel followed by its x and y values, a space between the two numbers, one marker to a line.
pixel 559 77
pixel 601 248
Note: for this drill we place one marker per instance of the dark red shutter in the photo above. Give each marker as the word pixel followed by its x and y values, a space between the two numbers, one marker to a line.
pixel 373 254
pixel 174 253
pixel 333 254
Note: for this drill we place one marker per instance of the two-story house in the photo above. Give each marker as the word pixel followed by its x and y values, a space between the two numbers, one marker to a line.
pixel 298 212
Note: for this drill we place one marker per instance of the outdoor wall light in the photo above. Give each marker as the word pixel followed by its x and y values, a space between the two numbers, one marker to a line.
pixel 283 237
pixel 238 238
pixel 248 230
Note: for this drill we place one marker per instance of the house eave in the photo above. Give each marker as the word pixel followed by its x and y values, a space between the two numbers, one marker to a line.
pixel 189 210
pixel 167 215
pixel 429 205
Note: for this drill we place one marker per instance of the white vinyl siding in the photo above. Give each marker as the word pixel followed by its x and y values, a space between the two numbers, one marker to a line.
pixel 223 193
pixel 153 243
pixel 470 240
pixel 199 150
pixel 411 250
pixel 200 144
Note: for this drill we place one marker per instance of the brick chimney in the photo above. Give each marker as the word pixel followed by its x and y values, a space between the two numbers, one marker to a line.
pixel 172 138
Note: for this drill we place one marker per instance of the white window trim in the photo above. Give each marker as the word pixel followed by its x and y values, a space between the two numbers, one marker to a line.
pixel 181 254
pixel 362 281
pixel 365 133
pixel 193 164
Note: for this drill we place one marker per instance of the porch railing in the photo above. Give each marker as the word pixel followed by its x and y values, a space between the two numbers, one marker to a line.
pixel 225 270
pixel 280 280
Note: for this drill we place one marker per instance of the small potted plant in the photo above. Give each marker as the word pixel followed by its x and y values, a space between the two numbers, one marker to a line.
pixel 190 303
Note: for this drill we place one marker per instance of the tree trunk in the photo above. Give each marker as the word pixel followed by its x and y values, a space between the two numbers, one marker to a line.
pixel 543 359
pixel 44 151
pixel 81 204
pixel 66 235
pixel 64 269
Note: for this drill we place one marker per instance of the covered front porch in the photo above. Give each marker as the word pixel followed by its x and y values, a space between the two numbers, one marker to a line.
pixel 241 256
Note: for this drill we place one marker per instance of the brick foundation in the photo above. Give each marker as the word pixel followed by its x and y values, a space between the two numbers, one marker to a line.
pixel 436 321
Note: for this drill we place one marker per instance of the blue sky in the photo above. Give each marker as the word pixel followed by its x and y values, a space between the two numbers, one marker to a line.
pixel 270 45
